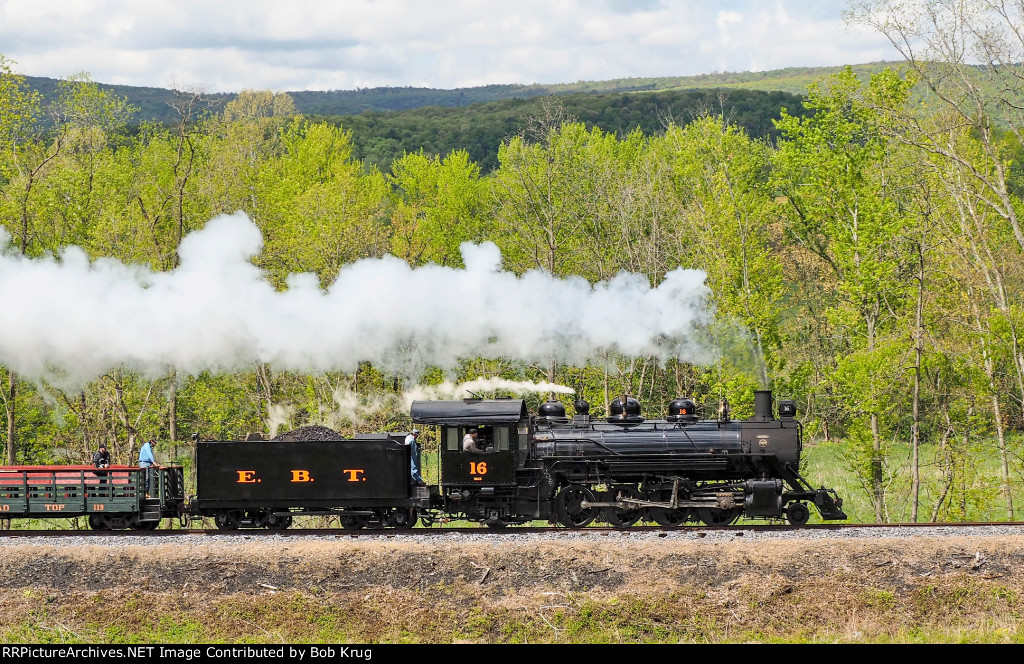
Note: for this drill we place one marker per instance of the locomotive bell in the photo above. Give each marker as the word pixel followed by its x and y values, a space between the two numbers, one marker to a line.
pixel 682 410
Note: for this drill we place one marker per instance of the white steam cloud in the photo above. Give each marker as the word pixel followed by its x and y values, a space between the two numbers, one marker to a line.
pixel 69 320
pixel 479 386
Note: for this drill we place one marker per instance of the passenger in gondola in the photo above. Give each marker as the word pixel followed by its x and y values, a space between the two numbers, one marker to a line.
pixel 101 458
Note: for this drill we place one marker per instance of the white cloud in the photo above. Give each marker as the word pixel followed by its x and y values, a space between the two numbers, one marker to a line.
pixel 312 44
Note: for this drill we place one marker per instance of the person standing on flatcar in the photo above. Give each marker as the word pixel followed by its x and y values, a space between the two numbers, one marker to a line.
pixel 412 440
pixel 101 458
pixel 147 460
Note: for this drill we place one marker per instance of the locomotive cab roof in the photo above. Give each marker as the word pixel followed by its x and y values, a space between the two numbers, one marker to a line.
pixel 455 413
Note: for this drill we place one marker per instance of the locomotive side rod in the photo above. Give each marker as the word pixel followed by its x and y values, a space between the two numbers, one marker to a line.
pixel 725 499
pixel 628 503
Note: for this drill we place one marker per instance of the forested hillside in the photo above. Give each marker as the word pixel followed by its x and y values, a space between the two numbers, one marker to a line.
pixel 378 138
pixel 156 104
pixel 867 263
pixel 437 123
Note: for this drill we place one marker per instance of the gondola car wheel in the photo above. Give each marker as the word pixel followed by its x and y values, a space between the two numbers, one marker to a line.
pixel 228 519
pixel 713 516
pixel 798 514
pixel 569 508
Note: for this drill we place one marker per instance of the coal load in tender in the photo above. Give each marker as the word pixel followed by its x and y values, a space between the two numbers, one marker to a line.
pixel 312 432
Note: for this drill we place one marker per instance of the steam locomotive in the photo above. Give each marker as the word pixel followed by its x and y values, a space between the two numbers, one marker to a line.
pixel 571 471
pixel 574 471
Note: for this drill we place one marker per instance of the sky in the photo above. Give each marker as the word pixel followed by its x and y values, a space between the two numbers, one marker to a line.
pixel 290 45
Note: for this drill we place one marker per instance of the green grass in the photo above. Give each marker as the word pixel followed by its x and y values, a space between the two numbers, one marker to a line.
pixel 975 493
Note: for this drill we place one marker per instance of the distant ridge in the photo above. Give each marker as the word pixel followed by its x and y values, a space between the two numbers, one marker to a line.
pixel 154 103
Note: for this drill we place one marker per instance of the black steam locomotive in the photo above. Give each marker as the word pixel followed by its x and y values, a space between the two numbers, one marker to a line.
pixel 622 469
pixel 571 471
pixel 518 468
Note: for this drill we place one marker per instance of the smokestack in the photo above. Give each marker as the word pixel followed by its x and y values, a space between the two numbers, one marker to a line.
pixel 763 406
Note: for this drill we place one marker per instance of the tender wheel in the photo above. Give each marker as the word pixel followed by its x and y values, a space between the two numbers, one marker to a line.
pixel 275 522
pixel 798 514
pixel 353 521
pixel 228 519
pixel 664 516
pixel 569 508
pixel 402 519
pixel 712 516
pixel 617 516
pixel 146 525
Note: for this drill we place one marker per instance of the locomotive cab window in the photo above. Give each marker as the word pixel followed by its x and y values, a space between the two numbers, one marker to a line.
pixel 488 438
pixel 485 439
pixel 453 439
pixel 500 438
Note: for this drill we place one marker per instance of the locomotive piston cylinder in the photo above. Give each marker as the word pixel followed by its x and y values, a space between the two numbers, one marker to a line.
pixel 764 497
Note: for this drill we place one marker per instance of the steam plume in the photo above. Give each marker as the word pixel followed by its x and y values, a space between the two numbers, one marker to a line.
pixel 69 320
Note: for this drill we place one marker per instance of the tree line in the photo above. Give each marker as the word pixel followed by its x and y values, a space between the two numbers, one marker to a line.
pixel 866 263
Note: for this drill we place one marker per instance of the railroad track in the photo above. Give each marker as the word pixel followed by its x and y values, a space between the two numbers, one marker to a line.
pixel 511 530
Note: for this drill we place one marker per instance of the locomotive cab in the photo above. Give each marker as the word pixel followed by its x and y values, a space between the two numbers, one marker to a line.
pixel 492 465
pixel 481 483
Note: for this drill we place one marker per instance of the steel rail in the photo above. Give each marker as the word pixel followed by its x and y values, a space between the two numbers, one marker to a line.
pixel 511 530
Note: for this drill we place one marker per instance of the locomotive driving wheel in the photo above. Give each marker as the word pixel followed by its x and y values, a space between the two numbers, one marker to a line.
pixel 713 516
pixel 620 517
pixel 666 516
pixel 569 508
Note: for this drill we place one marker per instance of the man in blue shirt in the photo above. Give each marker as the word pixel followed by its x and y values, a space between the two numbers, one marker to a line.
pixel 147 460
pixel 414 454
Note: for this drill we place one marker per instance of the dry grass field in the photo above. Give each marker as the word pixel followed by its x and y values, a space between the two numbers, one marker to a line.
pixel 505 589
